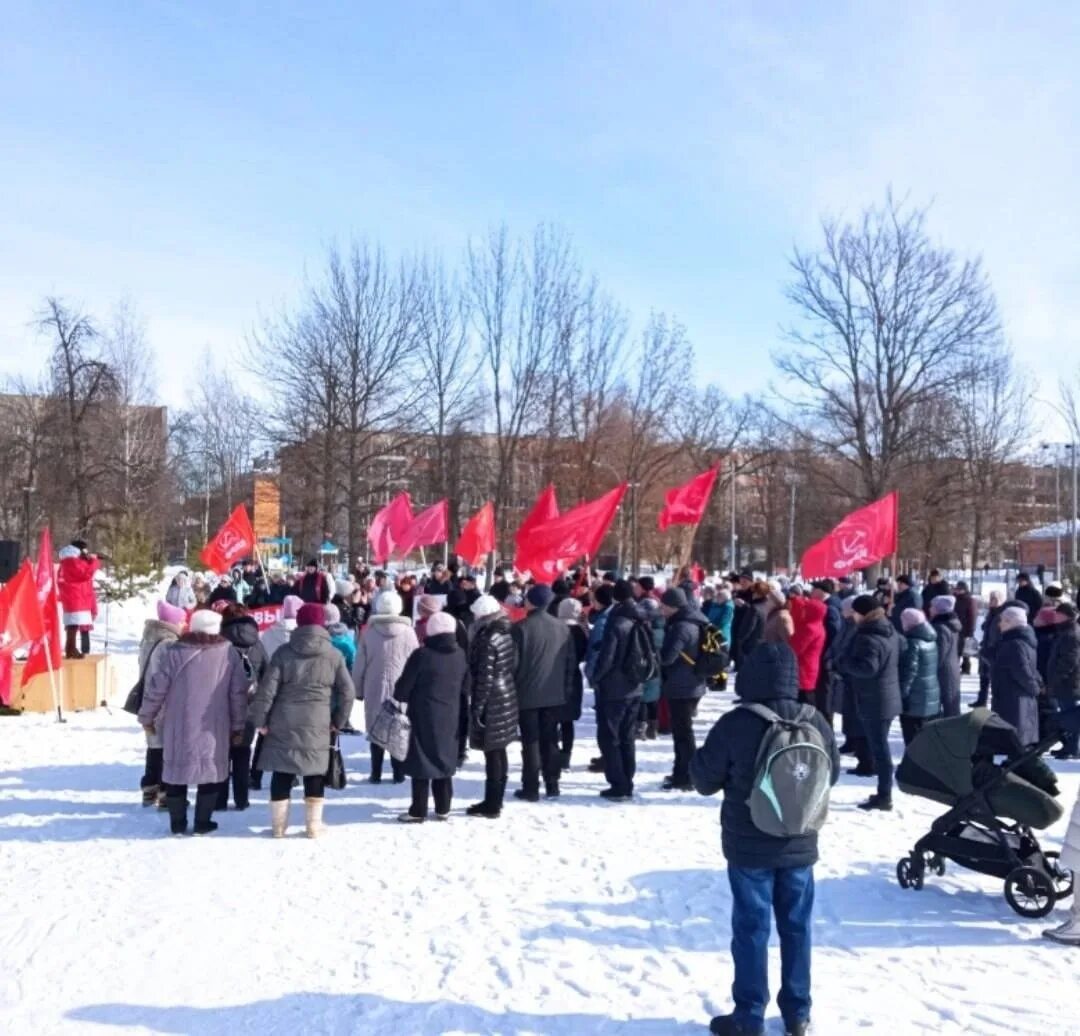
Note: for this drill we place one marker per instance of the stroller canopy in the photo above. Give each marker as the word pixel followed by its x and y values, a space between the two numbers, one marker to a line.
pixel 950 758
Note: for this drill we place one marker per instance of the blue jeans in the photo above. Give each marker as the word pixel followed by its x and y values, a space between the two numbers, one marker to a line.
pixel 757 895
pixel 616 727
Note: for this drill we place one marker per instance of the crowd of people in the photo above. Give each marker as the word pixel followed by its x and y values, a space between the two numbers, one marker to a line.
pixel 482 670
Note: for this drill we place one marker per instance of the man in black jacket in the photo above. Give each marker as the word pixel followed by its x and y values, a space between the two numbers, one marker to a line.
pixel 1028 595
pixel 935 587
pixel 967 611
pixel 618 697
pixel 680 683
pixel 767 874
pixel 871 664
pixel 544 678
pixel 1063 677
pixel 905 598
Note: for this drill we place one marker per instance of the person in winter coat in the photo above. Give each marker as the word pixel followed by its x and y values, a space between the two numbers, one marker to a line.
pixel 242 631
pixel 157 635
pixel 1014 680
pixel 1063 677
pixel 426 606
pixel 78 601
pixel 198 695
pixel 618 695
pixel 648 714
pixel 872 667
pixel 292 710
pixel 681 686
pixel 344 601
pixel 570 613
pixel 314 585
pixel 435 688
pixel 1068 933
pixel 746 630
pixel 278 634
pixel 544 678
pixel 493 711
pixel 808 643
pixel 723 613
pixel 385 646
pixel 224 592
pixel 768 875
pixel 920 690
pixel 180 594
pixel 603 601
pixel 967 611
pixel 904 599
pixel 991 632
pixel 340 635
pixel 841 696
pixel 947 629
pixel 935 587
pixel 1028 595
pixel 1047 625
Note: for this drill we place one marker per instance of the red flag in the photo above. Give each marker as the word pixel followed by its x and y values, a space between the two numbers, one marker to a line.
pixel 427 528
pixel 685 504
pixel 477 539
pixel 549 549
pixel 233 541
pixel 21 614
pixel 6 665
pixel 45 653
pixel 389 526
pixel 544 510
pixel 862 538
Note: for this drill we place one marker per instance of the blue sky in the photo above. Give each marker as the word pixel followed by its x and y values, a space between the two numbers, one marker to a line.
pixel 198 157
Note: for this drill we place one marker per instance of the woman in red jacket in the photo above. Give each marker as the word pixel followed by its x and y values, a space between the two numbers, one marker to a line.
pixel 808 643
pixel 77 598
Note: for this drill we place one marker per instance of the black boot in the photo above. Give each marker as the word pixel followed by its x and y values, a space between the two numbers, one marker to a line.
pixel 564 760
pixel 71 634
pixel 221 798
pixel 491 807
pixel 205 801
pixel 84 639
pixel 177 813
pixel 650 730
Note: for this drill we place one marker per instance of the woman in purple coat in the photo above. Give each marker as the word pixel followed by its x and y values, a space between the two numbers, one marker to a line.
pixel 197 700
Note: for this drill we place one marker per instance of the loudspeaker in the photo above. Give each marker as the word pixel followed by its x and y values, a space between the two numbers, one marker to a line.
pixel 9 559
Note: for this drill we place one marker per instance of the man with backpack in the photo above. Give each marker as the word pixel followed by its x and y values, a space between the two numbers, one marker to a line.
pixel 683 683
pixel 775 761
pixel 625 660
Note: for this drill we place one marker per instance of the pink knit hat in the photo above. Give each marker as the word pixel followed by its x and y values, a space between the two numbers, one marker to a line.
pixel 291 606
pixel 171 614
pixel 911 617
pixel 440 623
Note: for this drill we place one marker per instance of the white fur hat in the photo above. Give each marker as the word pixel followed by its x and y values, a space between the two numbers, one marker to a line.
pixel 388 603
pixel 441 622
pixel 205 620
pixel 484 606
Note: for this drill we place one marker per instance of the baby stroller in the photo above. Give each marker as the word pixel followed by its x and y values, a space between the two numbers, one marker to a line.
pixel 993 809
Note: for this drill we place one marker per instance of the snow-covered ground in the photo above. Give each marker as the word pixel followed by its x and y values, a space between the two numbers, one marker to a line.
pixel 572 917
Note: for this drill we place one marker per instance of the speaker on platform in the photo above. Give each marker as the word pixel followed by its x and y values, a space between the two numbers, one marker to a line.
pixel 9 559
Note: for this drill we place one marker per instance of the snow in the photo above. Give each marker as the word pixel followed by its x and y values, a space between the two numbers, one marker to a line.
pixel 568 918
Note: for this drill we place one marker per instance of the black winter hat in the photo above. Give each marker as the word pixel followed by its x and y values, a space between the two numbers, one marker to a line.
pixel 622 590
pixel 906 579
pixel 603 595
pixel 539 596
pixel 674 598
pixel 1068 609
pixel 864 604
pixel 647 583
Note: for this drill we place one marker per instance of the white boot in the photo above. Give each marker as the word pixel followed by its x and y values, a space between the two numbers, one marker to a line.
pixel 1069 932
pixel 279 817
pixel 314 808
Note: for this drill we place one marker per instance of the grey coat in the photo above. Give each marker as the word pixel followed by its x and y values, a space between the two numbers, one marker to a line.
pixel 293 703
pixel 198 695
pixel 384 648
pixel 157 635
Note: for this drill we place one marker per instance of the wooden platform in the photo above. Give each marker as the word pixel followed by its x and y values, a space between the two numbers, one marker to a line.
pixel 83 686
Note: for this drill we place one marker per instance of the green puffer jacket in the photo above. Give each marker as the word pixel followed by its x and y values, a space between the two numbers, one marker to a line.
pixel 919 686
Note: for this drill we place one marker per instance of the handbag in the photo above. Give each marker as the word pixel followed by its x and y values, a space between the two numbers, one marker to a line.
pixel 392 730
pixel 335 771
pixel 133 702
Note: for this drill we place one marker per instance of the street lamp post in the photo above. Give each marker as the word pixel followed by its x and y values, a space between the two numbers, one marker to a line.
pixel 793 482
pixel 734 534
pixel 1057 509
pixel 1071 447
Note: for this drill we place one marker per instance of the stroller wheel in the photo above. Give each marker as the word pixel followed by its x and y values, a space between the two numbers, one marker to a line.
pixel 1030 892
pixel 1062 877
pixel 909 873
pixel 938 865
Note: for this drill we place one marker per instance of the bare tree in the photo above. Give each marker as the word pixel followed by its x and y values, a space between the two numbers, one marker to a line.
pixel 889 323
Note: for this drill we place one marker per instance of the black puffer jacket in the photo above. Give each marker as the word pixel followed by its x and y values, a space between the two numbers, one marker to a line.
pixel 872 667
pixel 243 634
pixel 747 627
pixel 1063 670
pixel 682 638
pixel 1014 683
pixel 493 715
pixel 727 760
pixel 947 630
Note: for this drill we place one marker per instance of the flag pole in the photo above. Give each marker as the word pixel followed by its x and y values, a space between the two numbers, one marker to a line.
pixel 52 685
